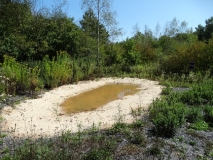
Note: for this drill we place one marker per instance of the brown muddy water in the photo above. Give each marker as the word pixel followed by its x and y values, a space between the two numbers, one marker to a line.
pixel 98 97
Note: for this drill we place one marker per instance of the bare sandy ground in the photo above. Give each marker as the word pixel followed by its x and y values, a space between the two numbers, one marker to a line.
pixel 44 116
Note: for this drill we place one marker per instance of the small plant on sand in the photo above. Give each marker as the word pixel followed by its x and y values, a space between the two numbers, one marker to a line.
pixel 136 112
pixel 56 112
pixel 119 125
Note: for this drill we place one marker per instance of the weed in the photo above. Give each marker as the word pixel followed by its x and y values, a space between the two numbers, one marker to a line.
pixel 56 72
pixel 193 133
pixel 154 150
pixel 180 139
pixel 66 136
pixel 137 124
pixel 199 125
pixel 118 127
pixel 18 77
pixel 136 112
pixel 138 138
pixel 194 114
pixel 167 90
pixel 192 143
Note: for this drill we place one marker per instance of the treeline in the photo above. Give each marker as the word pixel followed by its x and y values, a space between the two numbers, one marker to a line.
pixel 40 48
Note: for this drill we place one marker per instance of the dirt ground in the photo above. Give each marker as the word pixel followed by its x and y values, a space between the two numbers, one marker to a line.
pixel 44 116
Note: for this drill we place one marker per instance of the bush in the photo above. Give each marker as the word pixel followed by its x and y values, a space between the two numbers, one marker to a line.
pixel 208 114
pixel 57 71
pixel 167 118
pixel 200 94
pixel 18 77
pixel 138 138
pixel 194 114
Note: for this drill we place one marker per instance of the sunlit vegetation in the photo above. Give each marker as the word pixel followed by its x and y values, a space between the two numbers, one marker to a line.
pixel 42 49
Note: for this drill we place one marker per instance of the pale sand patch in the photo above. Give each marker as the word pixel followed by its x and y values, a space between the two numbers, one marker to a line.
pixel 44 116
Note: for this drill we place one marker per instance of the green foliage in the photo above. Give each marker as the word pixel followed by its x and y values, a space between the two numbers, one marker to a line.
pixel 57 71
pixel 26 35
pixel 38 151
pixel 138 138
pixel 137 112
pixel 167 90
pixel 154 150
pixel 77 74
pixel 199 125
pixel 198 53
pixel 208 114
pixel 194 114
pixel 89 25
pixel 87 68
pixel 137 124
pixel 130 56
pixel 200 94
pixel 146 46
pixel 103 151
pixel 205 32
pixel 167 118
pixel 119 127
pixel 19 77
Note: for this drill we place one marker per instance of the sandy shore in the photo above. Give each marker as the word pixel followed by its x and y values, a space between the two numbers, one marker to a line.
pixel 44 116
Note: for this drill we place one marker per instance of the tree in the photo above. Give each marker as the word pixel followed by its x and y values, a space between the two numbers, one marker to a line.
pixel 175 27
pixel 157 30
pixel 15 17
pixel 89 26
pixel 27 32
pixel 205 33
pixel 101 9
pixel 13 14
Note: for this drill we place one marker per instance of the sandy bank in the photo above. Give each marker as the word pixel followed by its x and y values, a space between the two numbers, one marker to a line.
pixel 44 116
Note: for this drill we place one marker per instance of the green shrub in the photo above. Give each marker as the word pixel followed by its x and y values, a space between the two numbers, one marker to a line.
pixel 167 90
pixel 208 114
pixel 77 73
pixel 138 138
pixel 57 71
pixel 167 118
pixel 137 124
pixel 200 94
pixel 119 127
pixel 173 98
pixel 194 114
pixel 18 77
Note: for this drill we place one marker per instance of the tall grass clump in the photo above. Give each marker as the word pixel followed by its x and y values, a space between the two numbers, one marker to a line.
pixel 18 77
pixel 57 71
pixel 88 68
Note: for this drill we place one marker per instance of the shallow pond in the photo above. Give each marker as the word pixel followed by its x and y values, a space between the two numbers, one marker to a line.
pixel 98 97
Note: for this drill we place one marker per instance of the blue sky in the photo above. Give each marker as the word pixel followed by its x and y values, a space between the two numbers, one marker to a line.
pixel 148 12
